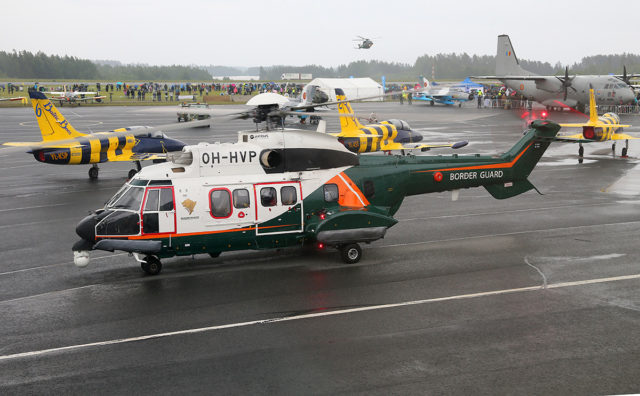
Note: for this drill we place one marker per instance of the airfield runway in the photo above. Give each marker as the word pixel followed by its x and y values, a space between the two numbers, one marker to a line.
pixel 537 294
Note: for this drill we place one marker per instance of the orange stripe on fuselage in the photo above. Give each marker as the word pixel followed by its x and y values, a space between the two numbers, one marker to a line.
pixel 490 166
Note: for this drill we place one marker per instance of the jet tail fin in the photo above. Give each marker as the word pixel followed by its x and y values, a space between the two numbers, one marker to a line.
pixel 348 121
pixel 424 83
pixel 593 109
pixel 53 125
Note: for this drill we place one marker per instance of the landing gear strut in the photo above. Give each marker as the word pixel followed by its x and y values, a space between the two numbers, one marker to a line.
pixel 151 265
pixel 625 149
pixel 580 154
pixel 351 253
pixel 93 172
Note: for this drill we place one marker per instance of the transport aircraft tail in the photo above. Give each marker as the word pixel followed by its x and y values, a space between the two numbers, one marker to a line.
pixel 507 63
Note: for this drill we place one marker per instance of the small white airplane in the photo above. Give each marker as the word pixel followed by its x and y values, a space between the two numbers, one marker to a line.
pixel 75 97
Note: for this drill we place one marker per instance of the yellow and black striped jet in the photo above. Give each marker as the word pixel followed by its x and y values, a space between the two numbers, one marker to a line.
pixel 598 129
pixel 387 135
pixel 62 144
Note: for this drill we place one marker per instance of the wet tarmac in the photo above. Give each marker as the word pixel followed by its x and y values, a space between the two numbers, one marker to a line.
pixel 537 294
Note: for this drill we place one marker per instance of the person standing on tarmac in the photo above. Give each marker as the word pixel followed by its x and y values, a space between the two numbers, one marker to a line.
pixel 479 99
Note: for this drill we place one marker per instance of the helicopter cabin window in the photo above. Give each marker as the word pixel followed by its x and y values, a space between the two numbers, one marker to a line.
pixel 368 189
pixel 268 196
pixel 220 203
pixel 288 195
pixel 331 192
pixel 241 198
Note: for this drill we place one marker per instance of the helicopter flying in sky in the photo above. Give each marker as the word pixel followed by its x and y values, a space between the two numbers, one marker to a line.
pixel 364 43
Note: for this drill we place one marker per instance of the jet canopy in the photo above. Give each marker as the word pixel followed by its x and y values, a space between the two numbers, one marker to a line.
pixel 399 124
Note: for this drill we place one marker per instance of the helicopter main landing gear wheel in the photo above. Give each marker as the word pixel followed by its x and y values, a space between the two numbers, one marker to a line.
pixel 151 265
pixel 93 172
pixel 351 253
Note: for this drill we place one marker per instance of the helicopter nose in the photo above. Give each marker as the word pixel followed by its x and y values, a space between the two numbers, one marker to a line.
pixel 86 228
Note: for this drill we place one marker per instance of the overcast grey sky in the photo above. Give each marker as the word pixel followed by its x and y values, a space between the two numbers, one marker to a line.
pixel 300 32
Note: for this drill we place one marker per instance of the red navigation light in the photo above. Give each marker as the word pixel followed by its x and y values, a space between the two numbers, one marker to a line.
pixel 320 245
pixel 323 216
pixel 41 156
pixel 543 115
pixel 588 132
pixel 437 176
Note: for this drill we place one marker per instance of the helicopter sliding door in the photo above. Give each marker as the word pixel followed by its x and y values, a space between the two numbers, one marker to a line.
pixel 278 208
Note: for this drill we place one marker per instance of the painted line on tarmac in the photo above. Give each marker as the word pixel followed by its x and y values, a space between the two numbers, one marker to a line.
pixel 36 207
pixel 50 266
pixel 502 212
pixel 505 234
pixel 314 315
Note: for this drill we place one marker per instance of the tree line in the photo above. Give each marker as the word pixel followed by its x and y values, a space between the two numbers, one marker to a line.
pixel 24 64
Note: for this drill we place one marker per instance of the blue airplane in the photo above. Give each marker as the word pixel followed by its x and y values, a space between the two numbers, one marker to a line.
pixel 447 95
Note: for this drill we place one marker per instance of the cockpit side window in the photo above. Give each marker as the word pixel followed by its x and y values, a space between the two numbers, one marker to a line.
pixel 331 193
pixel 166 199
pixel 151 205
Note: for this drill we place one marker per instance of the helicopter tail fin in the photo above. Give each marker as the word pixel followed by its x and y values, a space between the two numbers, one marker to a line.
pixel 348 121
pixel 53 125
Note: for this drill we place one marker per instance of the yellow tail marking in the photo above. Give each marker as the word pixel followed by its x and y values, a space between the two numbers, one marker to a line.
pixel 593 112
pixel 53 125
pixel 349 122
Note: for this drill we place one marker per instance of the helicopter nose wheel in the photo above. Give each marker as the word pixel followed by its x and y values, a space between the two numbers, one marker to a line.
pixel 151 265
pixel 93 172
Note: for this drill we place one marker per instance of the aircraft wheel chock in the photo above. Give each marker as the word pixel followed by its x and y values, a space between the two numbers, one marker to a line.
pixel 132 173
pixel 151 265
pixel 351 253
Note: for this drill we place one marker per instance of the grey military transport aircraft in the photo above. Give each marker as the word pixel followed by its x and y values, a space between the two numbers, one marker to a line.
pixel 557 91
